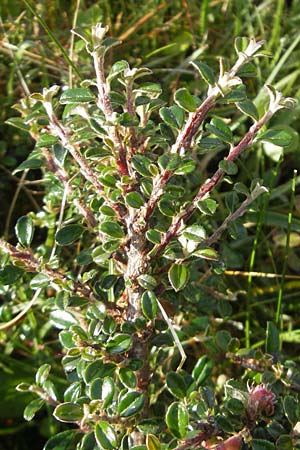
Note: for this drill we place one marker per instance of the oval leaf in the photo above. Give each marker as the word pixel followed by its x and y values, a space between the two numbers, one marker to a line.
pixel 177 419
pixel 69 234
pixel 220 129
pixel 149 305
pixel 105 435
pixel 134 200
pixel 24 230
pixel 205 72
pixel 178 276
pixel 76 95
pixel 176 384
pixel 68 412
pixel 112 229
pixel 185 100
pixel 130 404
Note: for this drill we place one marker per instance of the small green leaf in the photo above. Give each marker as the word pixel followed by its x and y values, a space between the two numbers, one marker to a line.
pixel 112 229
pixel 177 419
pixel 39 281
pixel 128 377
pixel 282 138
pixel 117 68
pixel 247 107
pixel 141 164
pixel 207 253
pixel 185 167
pixel 68 412
pixel 194 233
pixel 220 129
pixel 107 211
pixel 46 140
pixel 152 442
pixel 108 391
pixel 285 442
pixel 62 319
pixel 105 435
pixel 272 338
pixel 172 116
pixel 205 72
pixel 10 274
pixel 176 384
pixel 134 200
pixel 153 236
pixel 93 370
pixel 149 305
pixel 32 408
pixel 61 441
pixel 240 44
pixel 149 88
pixel 147 282
pixel 229 167
pixel 76 95
pixel 42 374
pixel 199 366
pixel 185 100
pixel 24 230
pixel 178 276
pixel 73 392
pixel 130 404
pixel 119 343
pixel 262 444
pixel 291 409
pixel 69 234
pixel 31 163
pixel 223 338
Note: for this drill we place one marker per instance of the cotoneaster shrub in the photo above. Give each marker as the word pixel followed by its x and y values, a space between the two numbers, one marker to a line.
pixel 132 226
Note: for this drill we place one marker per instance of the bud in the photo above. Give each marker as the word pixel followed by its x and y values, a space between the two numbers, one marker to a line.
pixel 261 401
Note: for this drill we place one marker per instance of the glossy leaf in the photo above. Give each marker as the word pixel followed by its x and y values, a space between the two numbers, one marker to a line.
pixel 108 391
pixel 178 276
pixel 194 233
pixel 291 409
pixel 112 229
pixel 68 412
pixel 149 305
pixel 46 140
pixel 185 100
pixel 131 404
pixel 176 384
pixel 134 200
pixel 147 282
pixel 105 435
pixel 206 253
pixel 177 419
pixel 61 441
pixel 42 374
pixel 117 68
pixel 76 95
pixel 32 408
pixel 128 377
pixel 24 230
pixel 152 442
pixel 172 116
pixel 119 343
pixel 205 72
pixel 69 234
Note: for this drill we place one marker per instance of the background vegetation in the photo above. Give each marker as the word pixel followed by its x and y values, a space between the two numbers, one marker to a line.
pixel 164 36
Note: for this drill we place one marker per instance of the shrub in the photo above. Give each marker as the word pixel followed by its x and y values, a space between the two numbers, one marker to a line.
pixel 131 224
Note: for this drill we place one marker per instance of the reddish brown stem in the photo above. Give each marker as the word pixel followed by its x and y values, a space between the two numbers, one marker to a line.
pixel 210 184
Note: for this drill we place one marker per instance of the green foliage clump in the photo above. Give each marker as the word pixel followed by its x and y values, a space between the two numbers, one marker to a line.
pixel 132 225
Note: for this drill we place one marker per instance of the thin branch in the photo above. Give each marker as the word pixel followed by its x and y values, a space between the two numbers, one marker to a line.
pixel 211 183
